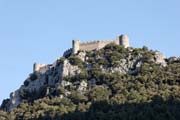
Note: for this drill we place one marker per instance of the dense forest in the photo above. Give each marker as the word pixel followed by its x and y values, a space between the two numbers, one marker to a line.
pixel 150 93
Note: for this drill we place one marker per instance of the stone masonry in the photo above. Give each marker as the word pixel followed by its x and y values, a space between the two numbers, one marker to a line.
pixel 99 44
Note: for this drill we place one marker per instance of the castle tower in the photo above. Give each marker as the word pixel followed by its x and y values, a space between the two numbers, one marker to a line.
pixel 75 46
pixel 124 40
pixel 35 67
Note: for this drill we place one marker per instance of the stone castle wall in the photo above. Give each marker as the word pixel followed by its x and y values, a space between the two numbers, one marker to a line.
pixel 96 45
pixel 102 44
pixel 41 68
pixel 38 66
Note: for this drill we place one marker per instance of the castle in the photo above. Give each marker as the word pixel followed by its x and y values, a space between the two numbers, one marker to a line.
pixel 88 46
pixel 96 45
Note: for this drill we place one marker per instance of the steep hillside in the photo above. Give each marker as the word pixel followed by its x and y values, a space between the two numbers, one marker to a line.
pixel 113 83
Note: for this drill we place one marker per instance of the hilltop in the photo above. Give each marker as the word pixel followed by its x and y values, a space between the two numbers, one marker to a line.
pixel 111 83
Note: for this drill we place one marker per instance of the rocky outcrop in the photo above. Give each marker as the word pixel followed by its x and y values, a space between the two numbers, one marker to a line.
pixel 38 79
pixel 83 86
pixel 125 66
pixel 160 58
pixel 174 59
pixel 82 56
pixel 15 100
pixel 69 70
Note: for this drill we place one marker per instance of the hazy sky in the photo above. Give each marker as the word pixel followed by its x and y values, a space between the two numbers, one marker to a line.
pixel 40 30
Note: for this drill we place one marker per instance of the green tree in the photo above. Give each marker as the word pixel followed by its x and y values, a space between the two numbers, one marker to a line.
pixel 99 93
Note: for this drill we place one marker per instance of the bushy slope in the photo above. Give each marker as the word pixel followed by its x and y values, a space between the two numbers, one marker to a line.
pixel 148 92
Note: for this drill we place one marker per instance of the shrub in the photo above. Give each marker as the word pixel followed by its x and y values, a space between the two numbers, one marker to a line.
pixel 33 77
pixel 26 83
pixel 99 93
pixel 77 97
pixel 32 95
pixel 76 61
pixel 89 54
pixel 145 48
pixel 4 104
pixel 3 115
pixel 24 93
pixel 61 60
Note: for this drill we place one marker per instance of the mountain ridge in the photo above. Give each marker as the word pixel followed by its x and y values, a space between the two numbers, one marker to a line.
pixel 78 81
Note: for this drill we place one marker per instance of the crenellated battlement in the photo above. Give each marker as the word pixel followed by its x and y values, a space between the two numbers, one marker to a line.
pixel 90 42
pixel 98 44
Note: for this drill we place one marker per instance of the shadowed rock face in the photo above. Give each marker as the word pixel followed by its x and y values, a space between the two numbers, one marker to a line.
pixel 44 76
pixel 174 59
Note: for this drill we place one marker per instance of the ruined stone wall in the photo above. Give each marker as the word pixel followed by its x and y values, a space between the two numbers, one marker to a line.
pixel 95 45
pixel 89 46
pixel 102 44
pixel 41 68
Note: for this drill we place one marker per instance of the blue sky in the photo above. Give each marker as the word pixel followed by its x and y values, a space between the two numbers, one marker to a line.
pixel 40 30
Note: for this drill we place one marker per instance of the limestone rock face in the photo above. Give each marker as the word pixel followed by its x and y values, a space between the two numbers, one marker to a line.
pixel 65 83
pixel 173 59
pixel 82 56
pixel 126 66
pixel 36 84
pixel 69 70
pixel 49 77
pixel 82 87
pixel 160 58
pixel 15 100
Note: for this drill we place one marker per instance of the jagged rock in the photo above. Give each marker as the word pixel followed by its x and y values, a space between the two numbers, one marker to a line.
pixel 65 83
pixel 35 85
pixel 69 70
pixel 67 93
pixel 82 56
pixel 122 67
pixel 82 87
pixel 160 58
pixel 125 66
pixel 174 59
pixel 15 100
pixel 135 65
pixel 48 77
pixel 61 96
